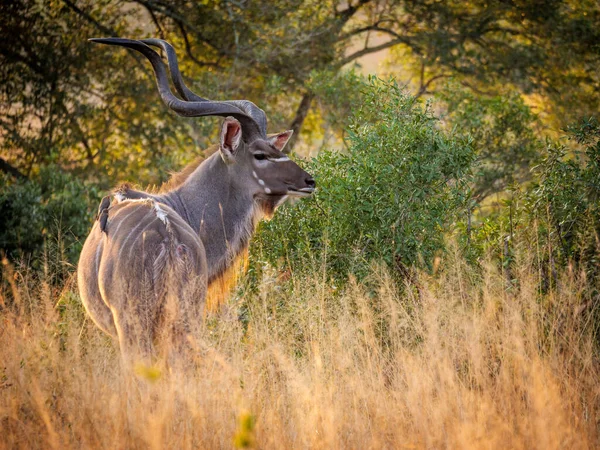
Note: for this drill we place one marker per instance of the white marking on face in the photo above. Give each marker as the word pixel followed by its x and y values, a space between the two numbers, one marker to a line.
pixel 281 200
pixel 267 190
pixel 261 182
pixel 254 174
pixel 281 159
pixel 120 197
pixel 300 193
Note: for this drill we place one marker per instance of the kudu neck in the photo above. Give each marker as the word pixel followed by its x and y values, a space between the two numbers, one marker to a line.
pixel 222 213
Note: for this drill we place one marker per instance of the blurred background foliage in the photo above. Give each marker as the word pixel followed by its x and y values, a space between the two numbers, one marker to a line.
pixel 471 138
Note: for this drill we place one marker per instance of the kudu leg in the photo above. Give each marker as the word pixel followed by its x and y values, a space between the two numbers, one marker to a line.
pixel 184 308
pixel 135 339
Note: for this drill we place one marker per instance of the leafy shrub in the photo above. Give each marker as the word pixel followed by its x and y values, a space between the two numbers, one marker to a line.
pixel 52 210
pixel 502 130
pixel 566 198
pixel 390 197
pixel 559 211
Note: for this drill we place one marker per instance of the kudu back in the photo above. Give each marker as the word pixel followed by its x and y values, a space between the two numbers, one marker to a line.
pixel 145 268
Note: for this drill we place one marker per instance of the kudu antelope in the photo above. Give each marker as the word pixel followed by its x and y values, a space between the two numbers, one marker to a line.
pixel 145 267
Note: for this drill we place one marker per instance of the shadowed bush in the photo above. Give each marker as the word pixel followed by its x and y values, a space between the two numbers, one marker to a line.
pixel 566 199
pixel 52 211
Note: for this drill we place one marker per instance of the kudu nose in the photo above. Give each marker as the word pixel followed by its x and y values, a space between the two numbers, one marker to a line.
pixel 310 182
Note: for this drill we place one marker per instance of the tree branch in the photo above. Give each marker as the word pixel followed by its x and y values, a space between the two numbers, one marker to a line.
pixel 161 33
pixel 369 50
pixel 11 170
pixel 188 48
pixel 301 114
pixel 182 21
pixel 424 85
pixel 345 14
pixel 374 27
pixel 86 16
pixel 477 90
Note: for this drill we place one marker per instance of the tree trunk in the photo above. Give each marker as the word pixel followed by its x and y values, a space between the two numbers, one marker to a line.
pixel 7 168
pixel 301 114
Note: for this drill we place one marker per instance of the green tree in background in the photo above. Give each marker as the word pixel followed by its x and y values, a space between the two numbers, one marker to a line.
pixel 565 199
pixel 93 112
pixel 503 132
pixel 68 103
pixel 84 107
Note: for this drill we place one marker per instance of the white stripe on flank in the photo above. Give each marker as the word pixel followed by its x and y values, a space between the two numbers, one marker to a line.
pixel 112 219
pixel 141 233
pixel 130 233
pixel 100 245
pixel 182 226
pixel 185 229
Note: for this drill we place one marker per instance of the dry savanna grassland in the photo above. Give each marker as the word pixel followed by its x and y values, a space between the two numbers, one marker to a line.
pixel 458 359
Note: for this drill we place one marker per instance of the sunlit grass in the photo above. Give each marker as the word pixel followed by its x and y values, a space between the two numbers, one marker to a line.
pixel 456 361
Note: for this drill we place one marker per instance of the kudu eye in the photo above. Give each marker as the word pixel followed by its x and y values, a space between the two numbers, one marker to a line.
pixel 260 156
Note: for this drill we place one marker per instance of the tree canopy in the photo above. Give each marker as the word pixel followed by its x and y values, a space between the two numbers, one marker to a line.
pixel 506 75
pixel 95 110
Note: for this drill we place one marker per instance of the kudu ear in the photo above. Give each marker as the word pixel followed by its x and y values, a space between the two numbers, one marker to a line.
pixel 279 140
pixel 231 136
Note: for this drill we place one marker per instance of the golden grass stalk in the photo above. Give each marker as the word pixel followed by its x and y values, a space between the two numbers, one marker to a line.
pixel 458 361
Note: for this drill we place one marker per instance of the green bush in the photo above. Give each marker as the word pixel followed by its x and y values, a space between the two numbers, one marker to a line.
pixel 52 212
pixel 502 131
pixel 558 212
pixel 565 198
pixel 390 197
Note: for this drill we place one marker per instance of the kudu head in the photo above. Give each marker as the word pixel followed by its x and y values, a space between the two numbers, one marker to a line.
pixel 257 162
pixel 261 167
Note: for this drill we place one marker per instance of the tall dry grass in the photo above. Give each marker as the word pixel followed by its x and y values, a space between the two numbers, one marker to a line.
pixel 459 361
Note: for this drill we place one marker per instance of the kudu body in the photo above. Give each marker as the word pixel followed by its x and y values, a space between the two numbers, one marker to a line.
pixel 145 267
